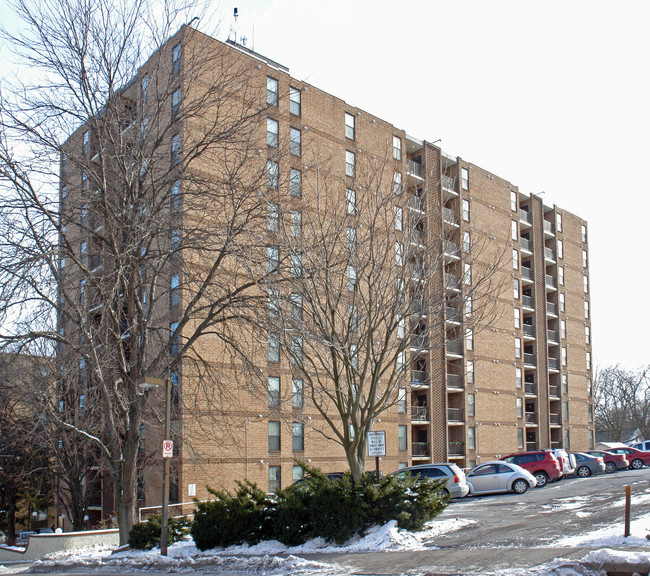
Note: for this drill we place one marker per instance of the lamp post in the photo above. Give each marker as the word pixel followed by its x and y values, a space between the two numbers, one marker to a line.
pixel 147 384
pixel 34 516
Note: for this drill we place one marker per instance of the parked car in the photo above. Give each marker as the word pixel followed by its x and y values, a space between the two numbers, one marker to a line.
pixel 636 458
pixel 567 461
pixel 499 476
pixel 613 462
pixel 588 464
pixel 22 538
pixel 644 446
pixel 456 485
pixel 541 464
pixel 3 538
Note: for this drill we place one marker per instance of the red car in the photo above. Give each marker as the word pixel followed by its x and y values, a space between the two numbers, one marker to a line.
pixel 613 462
pixel 541 464
pixel 636 458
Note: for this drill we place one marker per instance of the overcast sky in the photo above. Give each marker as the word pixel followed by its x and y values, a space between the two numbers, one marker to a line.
pixel 552 96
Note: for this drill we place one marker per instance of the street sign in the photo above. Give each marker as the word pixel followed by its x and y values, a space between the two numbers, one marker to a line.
pixel 377 443
pixel 168 449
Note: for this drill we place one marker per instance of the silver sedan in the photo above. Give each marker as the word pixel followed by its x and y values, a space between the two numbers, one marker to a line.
pixel 498 476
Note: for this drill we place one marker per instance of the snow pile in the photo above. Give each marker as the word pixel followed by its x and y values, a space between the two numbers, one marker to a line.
pixel 611 536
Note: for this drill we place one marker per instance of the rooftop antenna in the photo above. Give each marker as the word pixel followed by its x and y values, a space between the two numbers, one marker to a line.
pixel 233 27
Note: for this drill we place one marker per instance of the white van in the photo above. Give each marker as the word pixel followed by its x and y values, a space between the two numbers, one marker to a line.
pixel 645 445
pixel 567 461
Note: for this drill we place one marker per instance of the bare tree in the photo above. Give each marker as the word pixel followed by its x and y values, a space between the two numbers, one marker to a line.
pixel 121 269
pixel 353 290
pixel 622 401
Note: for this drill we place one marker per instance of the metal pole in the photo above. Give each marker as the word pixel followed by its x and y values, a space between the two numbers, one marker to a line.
pixel 165 488
pixel 377 467
pixel 628 499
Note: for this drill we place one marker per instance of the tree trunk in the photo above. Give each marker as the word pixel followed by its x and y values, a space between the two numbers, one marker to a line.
pixel 357 462
pixel 125 491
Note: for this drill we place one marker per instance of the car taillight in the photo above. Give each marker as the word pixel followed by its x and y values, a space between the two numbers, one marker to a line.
pixel 456 479
pixel 600 460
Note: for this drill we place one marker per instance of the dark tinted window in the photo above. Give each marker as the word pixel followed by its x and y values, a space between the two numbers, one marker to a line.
pixel 428 472
pixel 502 469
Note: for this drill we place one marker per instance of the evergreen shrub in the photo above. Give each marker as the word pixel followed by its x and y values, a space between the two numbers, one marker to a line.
pixel 146 535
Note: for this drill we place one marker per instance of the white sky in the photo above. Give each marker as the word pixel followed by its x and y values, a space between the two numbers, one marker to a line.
pixel 552 96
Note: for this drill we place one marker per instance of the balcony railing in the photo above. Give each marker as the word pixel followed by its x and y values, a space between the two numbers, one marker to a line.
pixel 419 307
pixel 455 414
pixel 453 314
pixel 449 183
pixel 531 389
pixel 554 391
pixel 549 254
pixel 417 203
pixel 419 341
pixel 531 418
pixel 548 227
pixel 414 168
pixel 551 308
pixel 454 381
pixel 527 273
pixel 526 244
pixel 552 336
pixel 419 413
pixel 555 419
pixel 553 364
pixel 416 236
pixel 527 301
pixel 455 348
pixel 529 330
pixel 452 282
pixel 419 377
pixel 451 249
pixel 550 280
pixel 420 448
pixel 529 359
pixel 531 446
pixel 449 216
pixel 457 448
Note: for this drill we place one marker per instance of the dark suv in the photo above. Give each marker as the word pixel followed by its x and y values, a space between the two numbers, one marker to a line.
pixel 541 464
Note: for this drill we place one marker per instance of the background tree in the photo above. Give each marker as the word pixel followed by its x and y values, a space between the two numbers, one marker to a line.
pixel 622 401
pixel 120 271
pixel 353 282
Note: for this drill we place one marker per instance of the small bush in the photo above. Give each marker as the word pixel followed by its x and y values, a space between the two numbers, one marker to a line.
pixel 146 535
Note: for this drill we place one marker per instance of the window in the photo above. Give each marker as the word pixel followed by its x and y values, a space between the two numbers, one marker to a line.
pixel 296 348
pixel 467 242
pixel 560 249
pixel 592 439
pixel 590 388
pixel 514 233
pixel 296 223
pixel 349 126
pixel 298 436
pixel 561 299
pixel 295 145
pixel 401 437
pixel 397 148
pixel 175 240
pixel 272 174
pixel 174 293
pixel 563 352
pixel 520 408
pixel 274 436
pixel 351 201
pixel 465 208
pixel 584 259
pixel 273 353
pixel 565 410
pixel 513 201
pixel 273 299
pixel 144 89
pixel 274 391
pixel 558 222
pixel 351 237
pixel 176 59
pixel 468 307
pixel 401 401
pixel 83 250
pixel 274 478
pixel 586 309
pixel 517 347
pixel 399 218
pixel 401 361
pixel 590 412
pixel 469 339
pixel 173 341
pixel 350 164
pixel 517 318
pixel 297 393
pixel 518 378
pixel 587 335
pixel 560 275
pixel 567 439
pixel 585 284
pixel 515 259
pixel 85 144
pixel 397 183
pixel 471 405
pixel 271 91
pixel 399 254
pixel 175 195
pixel 272 132
pixel 469 372
pixel 464 177
pixel 272 217
pixel 471 438
pixel 294 101
pixel 515 289
pixel 297 473
pixel 352 277
pixel 563 329
pixel 176 102
pixel 588 360
pixel 273 258
pixel 176 149
pixel 401 327
pixel 565 383
pixel 583 232
pixel 296 307
pixel 467 274
pixel 296 265
pixel 295 183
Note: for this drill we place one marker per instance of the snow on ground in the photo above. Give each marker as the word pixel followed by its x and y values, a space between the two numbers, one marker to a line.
pixel 611 536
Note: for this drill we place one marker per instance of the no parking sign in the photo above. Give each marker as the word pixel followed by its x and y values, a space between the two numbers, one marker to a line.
pixel 168 448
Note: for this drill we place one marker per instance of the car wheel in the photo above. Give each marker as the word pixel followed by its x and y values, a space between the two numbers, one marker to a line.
pixel 519 486
pixel 583 472
pixel 542 479
pixel 444 493
pixel 637 463
pixel 610 467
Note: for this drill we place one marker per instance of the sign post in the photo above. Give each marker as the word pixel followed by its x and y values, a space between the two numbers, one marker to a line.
pixel 377 447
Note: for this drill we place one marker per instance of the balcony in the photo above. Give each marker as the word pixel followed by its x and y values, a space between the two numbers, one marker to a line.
pixel 454 348
pixel 419 341
pixel 451 250
pixel 449 186
pixel 529 331
pixel 414 169
pixel 549 254
pixel 548 228
pixel 531 446
pixel 531 418
pixel 95 262
pixel 554 391
pixel 416 237
pixel 526 245
pixel 525 218
pixel 419 378
pixel 419 414
pixel 452 315
pixel 457 449
pixel 527 274
pixel 527 302
pixel 529 359
pixel 552 336
pixel 418 204
pixel 551 309
pixel 452 282
pixel 419 449
pixel 550 282
pixel 531 389
pixel 449 217
pixel 418 307
pixel 455 381
pixel 553 364
pixel 455 415
pixel 555 419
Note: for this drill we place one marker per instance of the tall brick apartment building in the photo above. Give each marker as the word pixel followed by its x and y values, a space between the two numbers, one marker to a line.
pixel 522 382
